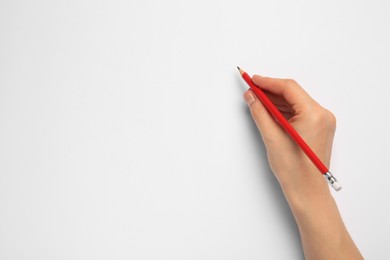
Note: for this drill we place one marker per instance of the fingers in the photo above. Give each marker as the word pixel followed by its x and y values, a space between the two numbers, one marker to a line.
pixel 263 119
pixel 289 89
pixel 279 101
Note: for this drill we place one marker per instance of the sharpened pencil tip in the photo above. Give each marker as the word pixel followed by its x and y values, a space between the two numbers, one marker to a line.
pixel 240 70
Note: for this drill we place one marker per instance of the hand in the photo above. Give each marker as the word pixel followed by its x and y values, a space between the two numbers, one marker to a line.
pixel 293 169
pixel 323 233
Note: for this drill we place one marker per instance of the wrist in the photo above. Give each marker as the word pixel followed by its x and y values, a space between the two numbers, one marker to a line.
pixel 306 199
pixel 305 189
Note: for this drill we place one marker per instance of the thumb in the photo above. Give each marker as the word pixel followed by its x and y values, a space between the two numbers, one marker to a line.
pixel 264 121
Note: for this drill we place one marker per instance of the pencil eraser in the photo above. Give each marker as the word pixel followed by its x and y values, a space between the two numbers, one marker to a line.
pixel 332 181
pixel 336 186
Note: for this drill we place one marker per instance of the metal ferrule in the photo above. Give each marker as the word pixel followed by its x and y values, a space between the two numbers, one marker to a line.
pixel 332 181
pixel 330 178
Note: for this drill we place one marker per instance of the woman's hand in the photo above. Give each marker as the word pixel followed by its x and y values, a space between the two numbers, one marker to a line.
pixel 293 169
pixel 322 230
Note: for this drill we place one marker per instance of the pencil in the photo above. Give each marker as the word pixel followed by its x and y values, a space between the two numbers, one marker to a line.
pixel 291 131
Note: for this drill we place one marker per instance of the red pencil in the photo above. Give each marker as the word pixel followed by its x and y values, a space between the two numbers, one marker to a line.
pixel 291 131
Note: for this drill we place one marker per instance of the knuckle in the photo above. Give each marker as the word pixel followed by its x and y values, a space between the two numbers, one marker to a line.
pixel 257 112
pixel 325 119
pixel 331 119
pixel 290 82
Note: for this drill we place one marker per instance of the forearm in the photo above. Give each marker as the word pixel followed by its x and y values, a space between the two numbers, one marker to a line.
pixel 323 233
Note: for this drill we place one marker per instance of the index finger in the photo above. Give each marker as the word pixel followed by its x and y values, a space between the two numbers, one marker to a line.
pixel 292 92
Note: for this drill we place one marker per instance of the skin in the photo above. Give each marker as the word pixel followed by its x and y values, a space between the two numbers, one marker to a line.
pixel 323 233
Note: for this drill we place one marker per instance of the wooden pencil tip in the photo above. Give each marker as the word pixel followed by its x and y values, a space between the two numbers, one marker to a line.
pixel 240 70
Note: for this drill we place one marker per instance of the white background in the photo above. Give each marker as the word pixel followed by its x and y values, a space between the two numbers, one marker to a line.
pixel 124 135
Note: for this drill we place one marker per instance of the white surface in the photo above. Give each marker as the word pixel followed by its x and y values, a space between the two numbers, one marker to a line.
pixel 123 133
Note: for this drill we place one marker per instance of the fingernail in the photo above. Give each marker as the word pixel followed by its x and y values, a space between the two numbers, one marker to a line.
pixel 249 98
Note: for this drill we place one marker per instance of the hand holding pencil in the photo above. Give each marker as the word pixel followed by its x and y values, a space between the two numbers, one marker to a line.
pixel 298 135
pixel 297 132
